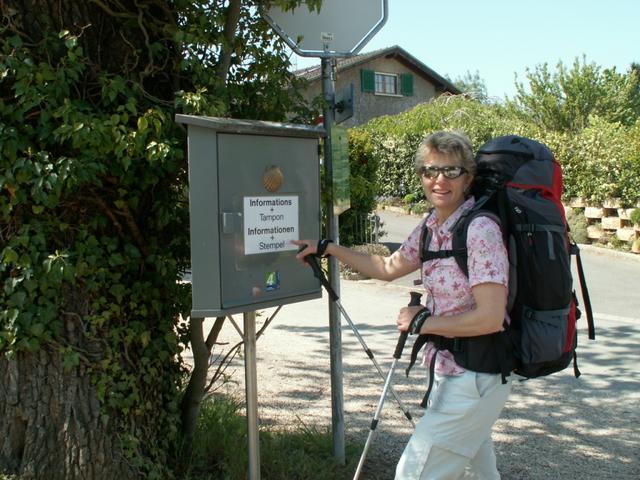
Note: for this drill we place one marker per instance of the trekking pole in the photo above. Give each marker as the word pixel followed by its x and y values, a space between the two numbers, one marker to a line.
pixel 415 300
pixel 318 273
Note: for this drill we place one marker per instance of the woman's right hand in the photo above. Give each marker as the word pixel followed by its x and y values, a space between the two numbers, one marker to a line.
pixel 405 316
pixel 310 247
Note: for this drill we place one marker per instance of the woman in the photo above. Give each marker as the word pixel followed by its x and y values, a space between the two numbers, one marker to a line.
pixel 453 438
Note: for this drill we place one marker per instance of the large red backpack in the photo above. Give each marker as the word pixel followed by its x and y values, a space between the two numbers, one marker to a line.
pixel 519 183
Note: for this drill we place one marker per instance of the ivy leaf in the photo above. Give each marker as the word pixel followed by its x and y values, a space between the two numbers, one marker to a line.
pixel 142 123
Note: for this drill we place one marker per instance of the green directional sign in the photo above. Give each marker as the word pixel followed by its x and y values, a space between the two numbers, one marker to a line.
pixel 340 163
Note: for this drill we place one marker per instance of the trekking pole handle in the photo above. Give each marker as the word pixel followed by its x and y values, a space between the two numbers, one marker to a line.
pixel 319 274
pixel 415 301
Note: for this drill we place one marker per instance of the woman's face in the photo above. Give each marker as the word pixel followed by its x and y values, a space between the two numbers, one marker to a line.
pixel 445 194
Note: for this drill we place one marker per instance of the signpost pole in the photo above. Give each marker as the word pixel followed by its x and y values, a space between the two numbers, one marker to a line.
pixel 335 334
pixel 251 389
pixel 338 29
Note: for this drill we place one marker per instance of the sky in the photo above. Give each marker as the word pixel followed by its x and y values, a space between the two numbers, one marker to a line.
pixel 503 38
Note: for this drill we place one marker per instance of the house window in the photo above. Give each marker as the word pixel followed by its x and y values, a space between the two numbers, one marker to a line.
pixel 386 83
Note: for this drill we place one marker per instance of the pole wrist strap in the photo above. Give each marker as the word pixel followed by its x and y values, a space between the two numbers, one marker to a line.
pixel 322 247
pixel 418 320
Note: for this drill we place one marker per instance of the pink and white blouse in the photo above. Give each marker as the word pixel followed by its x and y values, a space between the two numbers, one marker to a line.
pixel 448 289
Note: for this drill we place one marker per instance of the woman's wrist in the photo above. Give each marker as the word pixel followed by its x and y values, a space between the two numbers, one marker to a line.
pixel 321 249
pixel 418 321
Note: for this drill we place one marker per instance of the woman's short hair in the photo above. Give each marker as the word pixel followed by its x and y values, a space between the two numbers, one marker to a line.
pixel 453 144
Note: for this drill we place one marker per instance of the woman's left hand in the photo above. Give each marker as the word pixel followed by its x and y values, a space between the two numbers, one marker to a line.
pixel 405 316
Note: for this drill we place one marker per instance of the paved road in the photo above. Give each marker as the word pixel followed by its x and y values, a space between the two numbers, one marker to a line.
pixel 612 277
pixel 555 427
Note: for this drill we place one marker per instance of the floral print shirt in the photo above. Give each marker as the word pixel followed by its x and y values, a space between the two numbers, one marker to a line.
pixel 448 289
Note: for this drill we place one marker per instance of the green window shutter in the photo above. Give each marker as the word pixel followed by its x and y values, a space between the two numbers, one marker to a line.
pixel 406 84
pixel 367 81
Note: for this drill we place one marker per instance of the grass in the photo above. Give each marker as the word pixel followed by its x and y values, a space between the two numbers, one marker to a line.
pixel 220 449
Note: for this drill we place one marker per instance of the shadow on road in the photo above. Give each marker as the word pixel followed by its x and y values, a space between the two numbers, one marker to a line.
pixel 553 427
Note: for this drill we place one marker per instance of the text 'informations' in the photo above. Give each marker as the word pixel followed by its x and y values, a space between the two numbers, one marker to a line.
pixel 270 223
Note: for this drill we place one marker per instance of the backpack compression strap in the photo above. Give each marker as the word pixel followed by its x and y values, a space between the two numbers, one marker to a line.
pixel 574 250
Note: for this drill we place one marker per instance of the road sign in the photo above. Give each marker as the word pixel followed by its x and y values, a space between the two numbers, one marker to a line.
pixel 339 29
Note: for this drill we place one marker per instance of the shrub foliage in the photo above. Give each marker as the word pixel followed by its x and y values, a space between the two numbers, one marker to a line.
pixel 599 161
pixel 93 210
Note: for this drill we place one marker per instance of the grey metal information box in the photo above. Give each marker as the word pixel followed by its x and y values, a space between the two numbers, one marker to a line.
pixel 253 187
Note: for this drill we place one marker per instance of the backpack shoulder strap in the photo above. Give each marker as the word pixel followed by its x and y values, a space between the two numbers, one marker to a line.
pixel 459 239
pixel 425 241
pixel 426 254
pixel 461 232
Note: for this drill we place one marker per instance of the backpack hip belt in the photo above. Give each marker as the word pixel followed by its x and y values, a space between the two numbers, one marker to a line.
pixel 489 353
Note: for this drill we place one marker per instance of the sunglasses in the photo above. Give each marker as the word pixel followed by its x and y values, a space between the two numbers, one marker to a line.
pixel 450 172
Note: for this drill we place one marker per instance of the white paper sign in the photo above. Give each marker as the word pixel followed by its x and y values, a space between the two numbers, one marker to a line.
pixel 270 223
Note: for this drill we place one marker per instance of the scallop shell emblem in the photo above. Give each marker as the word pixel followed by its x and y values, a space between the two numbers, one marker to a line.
pixel 272 178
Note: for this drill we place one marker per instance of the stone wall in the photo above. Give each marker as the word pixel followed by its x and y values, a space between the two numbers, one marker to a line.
pixel 607 221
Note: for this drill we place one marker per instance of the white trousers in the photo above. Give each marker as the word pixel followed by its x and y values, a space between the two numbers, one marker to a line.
pixel 453 439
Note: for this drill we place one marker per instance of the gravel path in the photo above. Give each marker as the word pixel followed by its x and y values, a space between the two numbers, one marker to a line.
pixel 552 428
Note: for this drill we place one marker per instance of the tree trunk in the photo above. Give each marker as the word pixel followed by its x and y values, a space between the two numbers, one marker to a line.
pixel 52 425
pixel 196 388
pixel 50 421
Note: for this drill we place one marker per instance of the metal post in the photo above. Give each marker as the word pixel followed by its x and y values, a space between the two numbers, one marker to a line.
pixel 251 389
pixel 335 338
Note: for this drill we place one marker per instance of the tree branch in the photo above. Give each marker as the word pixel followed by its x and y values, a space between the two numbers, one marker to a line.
pixel 215 331
pixel 229 35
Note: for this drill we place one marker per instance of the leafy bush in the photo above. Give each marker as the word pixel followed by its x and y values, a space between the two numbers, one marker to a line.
pixel 420 207
pixel 600 161
pixel 369 248
pixel 564 100
pixel 393 140
pixel 409 198
pixel 635 216
pixel 577 225
pixel 363 166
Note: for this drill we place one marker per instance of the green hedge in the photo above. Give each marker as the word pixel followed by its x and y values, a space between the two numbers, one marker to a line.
pixel 394 139
pixel 363 164
pixel 599 162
